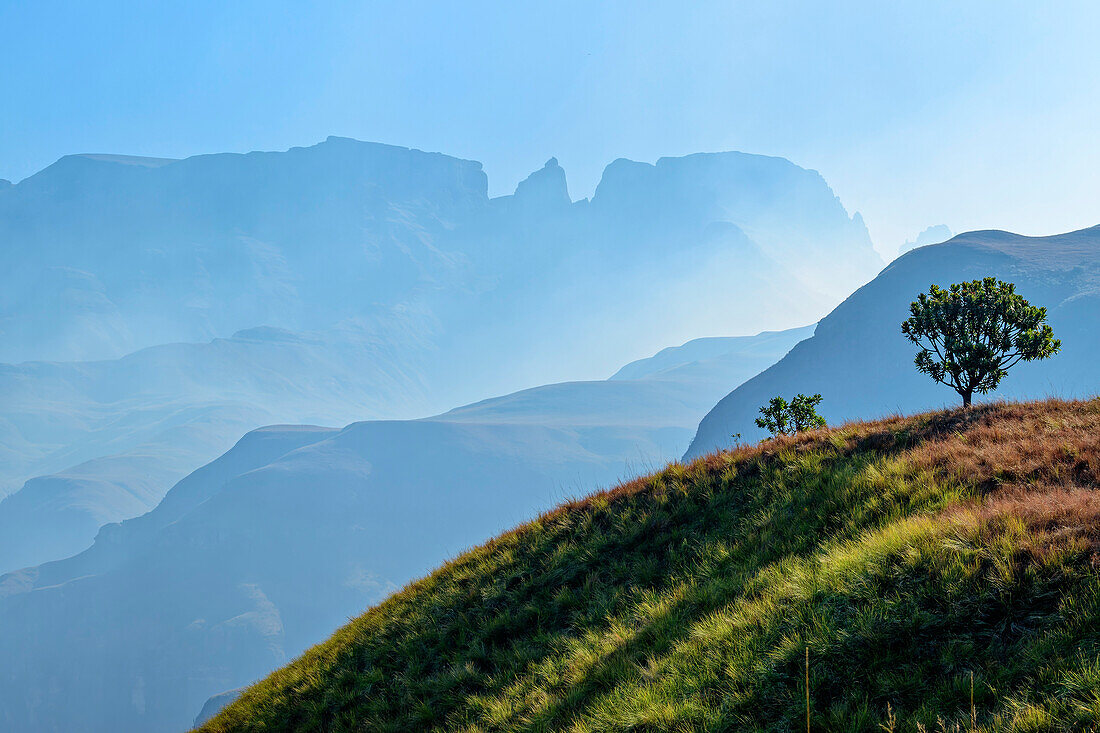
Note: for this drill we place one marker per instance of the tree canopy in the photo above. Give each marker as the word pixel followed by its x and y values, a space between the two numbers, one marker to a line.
pixel 972 333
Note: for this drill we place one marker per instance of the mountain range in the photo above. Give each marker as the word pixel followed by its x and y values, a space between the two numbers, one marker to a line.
pixel 90 443
pixel 154 310
pixel 259 554
pixel 104 255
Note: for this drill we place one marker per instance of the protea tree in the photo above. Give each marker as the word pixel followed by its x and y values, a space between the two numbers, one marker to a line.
pixel 971 334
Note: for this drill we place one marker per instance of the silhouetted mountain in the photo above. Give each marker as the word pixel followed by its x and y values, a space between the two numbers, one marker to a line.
pixel 712 357
pixel 789 212
pixel 252 558
pixel 408 291
pixel 113 253
pixel 863 367
pixel 544 191
pixel 99 442
pixel 931 235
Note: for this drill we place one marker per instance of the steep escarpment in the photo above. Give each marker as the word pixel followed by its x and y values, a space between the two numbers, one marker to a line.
pixel 114 253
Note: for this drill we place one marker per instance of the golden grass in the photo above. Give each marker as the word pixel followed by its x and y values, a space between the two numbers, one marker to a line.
pixel 943 564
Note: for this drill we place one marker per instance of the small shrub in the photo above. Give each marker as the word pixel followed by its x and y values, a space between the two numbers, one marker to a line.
pixel 780 417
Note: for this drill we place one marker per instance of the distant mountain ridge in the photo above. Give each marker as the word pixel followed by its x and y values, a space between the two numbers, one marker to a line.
pixel 929 235
pixel 260 553
pixel 390 286
pixel 832 252
pixel 143 254
pixel 107 254
pixel 142 161
pixel 698 353
pixel 90 443
pixel 154 310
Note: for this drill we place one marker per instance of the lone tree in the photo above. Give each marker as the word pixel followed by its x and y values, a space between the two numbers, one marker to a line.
pixel 971 334
pixel 781 417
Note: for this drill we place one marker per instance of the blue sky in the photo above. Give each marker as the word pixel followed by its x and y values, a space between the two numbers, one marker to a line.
pixel 976 115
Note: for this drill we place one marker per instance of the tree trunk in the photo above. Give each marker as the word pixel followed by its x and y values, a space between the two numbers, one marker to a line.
pixel 966 398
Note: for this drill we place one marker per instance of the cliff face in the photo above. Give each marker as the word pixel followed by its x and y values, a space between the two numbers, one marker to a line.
pixel 106 254
pixel 790 212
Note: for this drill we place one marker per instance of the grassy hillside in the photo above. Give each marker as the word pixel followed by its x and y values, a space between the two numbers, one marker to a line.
pixel 906 554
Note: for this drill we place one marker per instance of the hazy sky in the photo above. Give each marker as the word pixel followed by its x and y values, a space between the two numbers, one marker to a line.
pixel 975 115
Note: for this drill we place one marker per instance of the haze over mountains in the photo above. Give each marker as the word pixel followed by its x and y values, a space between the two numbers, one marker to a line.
pixel 159 310
pixel 264 551
pixel 99 442
pixel 929 235
pixel 109 254
pixel 863 367
pixel 269 548
pixel 348 281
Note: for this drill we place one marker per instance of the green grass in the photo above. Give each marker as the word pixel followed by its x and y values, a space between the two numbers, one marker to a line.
pixel 685 601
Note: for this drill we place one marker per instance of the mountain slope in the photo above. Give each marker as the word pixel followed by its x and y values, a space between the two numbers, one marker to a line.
pixel 59 414
pixel 707 357
pixel 91 443
pixel 167 410
pixel 57 515
pixel 862 365
pixel 906 555
pixel 252 558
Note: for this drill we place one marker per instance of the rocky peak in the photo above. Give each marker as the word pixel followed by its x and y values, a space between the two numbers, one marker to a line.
pixel 546 188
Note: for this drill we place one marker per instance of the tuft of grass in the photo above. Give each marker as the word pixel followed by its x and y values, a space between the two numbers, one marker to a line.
pixel 939 572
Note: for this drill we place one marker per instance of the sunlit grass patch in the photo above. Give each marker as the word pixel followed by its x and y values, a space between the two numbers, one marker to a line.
pixel 909 555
